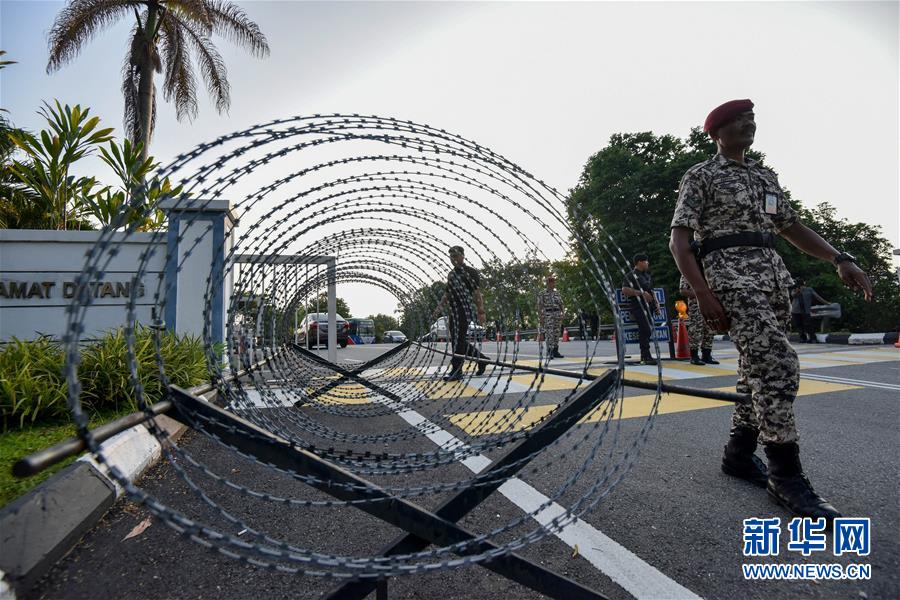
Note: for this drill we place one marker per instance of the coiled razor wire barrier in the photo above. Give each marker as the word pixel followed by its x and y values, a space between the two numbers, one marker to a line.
pixel 386 199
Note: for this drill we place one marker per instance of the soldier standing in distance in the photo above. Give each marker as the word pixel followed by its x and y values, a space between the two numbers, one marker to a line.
pixel 549 309
pixel 638 288
pixel 700 335
pixel 466 304
pixel 736 207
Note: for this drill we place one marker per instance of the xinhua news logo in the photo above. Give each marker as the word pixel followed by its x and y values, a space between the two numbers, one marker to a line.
pixel 807 536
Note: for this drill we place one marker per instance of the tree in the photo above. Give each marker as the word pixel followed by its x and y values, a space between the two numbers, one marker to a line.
pixel 134 203
pixel 320 304
pixel 868 244
pixel 383 323
pixel 629 188
pixel 416 313
pixel 46 170
pixel 510 291
pixel 163 37
pixel 42 190
pixel 18 206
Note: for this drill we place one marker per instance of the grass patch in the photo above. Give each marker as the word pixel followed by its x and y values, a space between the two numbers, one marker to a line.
pixel 33 387
pixel 34 413
pixel 17 443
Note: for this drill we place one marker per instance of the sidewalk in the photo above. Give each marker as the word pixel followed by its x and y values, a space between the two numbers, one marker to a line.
pixel 853 339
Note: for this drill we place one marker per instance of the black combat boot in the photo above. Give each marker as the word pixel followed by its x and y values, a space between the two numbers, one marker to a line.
pixel 556 354
pixel 695 358
pixel 789 487
pixel 739 459
pixel 707 357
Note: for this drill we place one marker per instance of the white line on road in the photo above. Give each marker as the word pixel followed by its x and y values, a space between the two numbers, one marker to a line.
pixel 637 577
pixel 872 384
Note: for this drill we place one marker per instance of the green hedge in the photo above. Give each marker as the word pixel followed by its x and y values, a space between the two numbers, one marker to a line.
pixel 33 388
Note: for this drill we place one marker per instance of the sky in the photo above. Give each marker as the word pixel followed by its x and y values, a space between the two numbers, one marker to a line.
pixel 543 83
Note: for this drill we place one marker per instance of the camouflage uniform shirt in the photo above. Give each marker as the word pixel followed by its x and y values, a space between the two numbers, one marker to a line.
pixel 721 196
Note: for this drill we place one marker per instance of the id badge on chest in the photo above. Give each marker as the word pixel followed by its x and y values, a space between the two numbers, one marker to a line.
pixel 771 204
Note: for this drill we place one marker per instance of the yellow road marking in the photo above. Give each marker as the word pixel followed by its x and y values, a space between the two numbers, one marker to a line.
pixel 550 383
pixel 346 393
pixel 517 419
pixel 441 390
pixel 712 371
pixel 846 357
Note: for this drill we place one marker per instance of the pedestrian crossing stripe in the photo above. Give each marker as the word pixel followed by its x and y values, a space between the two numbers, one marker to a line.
pixel 518 419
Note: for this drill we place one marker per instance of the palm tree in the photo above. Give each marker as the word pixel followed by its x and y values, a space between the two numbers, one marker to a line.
pixel 162 39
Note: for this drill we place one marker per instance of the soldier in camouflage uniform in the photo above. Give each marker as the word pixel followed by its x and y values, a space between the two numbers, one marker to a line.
pixel 700 335
pixel 549 309
pixel 735 207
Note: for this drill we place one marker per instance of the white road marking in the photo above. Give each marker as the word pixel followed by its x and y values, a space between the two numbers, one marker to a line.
pixel 637 577
pixel 872 384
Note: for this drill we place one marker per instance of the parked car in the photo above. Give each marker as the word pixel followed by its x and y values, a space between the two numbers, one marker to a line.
pixel 313 330
pixel 439 332
pixel 393 337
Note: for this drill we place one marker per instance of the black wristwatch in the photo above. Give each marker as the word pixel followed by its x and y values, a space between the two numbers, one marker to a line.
pixel 845 257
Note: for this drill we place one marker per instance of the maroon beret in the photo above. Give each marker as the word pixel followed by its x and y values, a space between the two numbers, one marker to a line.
pixel 725 113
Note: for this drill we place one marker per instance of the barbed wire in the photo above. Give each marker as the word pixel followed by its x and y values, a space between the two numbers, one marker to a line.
pixel 387 218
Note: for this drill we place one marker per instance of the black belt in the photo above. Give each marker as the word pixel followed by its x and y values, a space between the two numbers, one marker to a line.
pixel 747 238
pixel 551 310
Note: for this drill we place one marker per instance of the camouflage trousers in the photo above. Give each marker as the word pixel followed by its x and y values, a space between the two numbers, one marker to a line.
pixel 700 335
pixel 768 367
pixel 551 324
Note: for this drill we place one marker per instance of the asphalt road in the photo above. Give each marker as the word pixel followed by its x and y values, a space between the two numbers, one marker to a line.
pixel 671 528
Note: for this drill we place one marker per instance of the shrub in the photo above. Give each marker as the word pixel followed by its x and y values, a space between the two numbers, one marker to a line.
pixel 31 382
pixel 32 387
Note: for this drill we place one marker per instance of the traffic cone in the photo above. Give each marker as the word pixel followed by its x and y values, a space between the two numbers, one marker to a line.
pixel 517 336
pixel 682 346
pixel 565 337
pixel 498 337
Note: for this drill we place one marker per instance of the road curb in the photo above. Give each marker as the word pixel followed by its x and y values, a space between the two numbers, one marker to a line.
pixel 852 339
pixel 42 525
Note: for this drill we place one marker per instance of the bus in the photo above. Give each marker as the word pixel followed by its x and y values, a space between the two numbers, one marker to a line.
pixel 362 331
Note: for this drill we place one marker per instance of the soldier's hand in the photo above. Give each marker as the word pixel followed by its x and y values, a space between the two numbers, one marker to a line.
pixel 854 277
pixel 712 311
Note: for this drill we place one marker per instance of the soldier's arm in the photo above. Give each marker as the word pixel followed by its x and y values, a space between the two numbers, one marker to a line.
pixel 810 242
pixel 540 310
pixel 680 246
pixel 440 307
pixel 630 291
pixel 479 305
